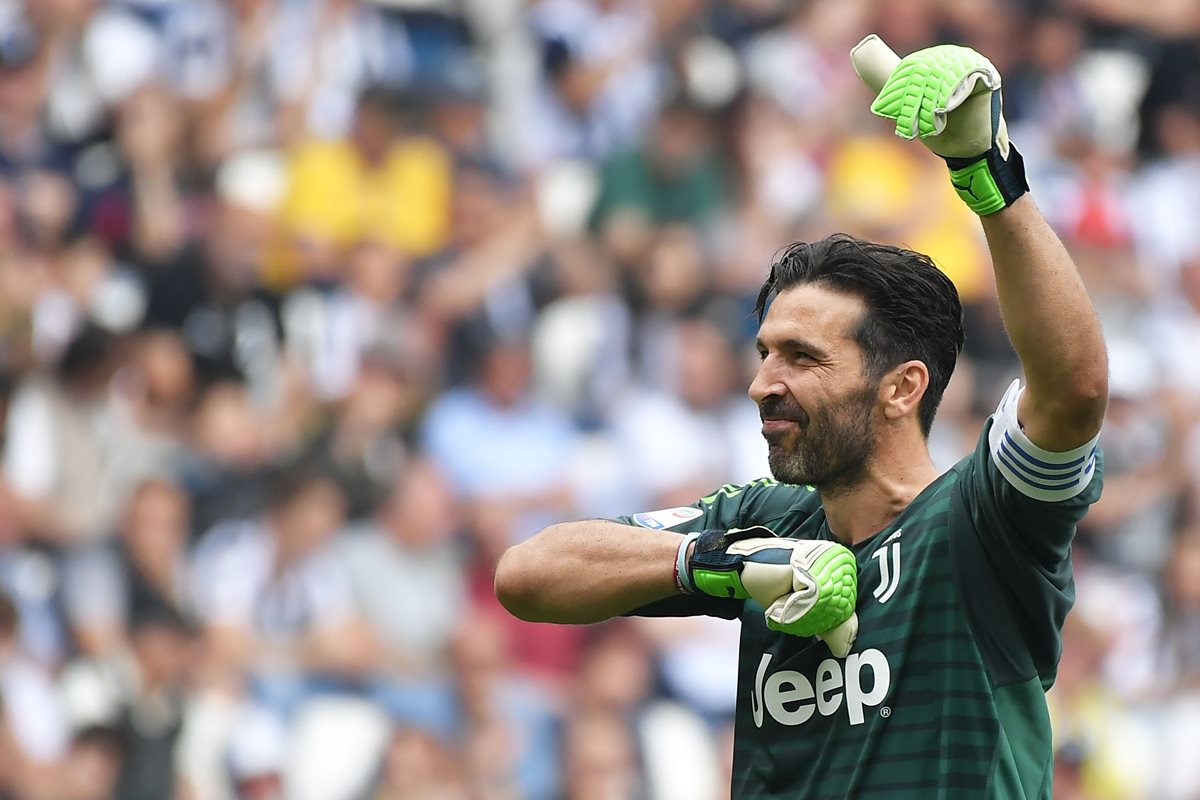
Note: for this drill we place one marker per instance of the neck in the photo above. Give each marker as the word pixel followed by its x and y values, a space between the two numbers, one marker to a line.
pixel 893 478
pixel 159 572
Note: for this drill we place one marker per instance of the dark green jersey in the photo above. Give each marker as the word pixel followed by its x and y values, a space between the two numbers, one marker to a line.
pixel 961 603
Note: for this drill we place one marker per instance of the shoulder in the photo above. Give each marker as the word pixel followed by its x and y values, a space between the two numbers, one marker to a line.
pixel 456 401
pixel 360 543
pixel 232 543
pixel 33 398
pixel 456 411
pixel 758 502
pixel 765 499
pixel 109 552
pixel 417 153
pixel 94 562
pixel 320 153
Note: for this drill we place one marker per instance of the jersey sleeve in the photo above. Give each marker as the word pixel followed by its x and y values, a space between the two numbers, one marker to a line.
pixel 1035 497
pixel 1022 505
pixel 728 507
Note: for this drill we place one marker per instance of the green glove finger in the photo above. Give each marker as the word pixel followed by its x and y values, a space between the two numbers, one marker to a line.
pixel 835 574
pixel 922 84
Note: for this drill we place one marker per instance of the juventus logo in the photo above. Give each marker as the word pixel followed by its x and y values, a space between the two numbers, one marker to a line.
pixel 889 567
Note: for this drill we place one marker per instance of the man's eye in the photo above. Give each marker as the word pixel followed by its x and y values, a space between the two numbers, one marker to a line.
pixel 762 355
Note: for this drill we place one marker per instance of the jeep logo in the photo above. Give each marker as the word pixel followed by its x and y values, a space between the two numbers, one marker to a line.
pixel 790 698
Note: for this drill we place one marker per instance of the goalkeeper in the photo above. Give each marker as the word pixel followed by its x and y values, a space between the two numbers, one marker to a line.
pixel 899 627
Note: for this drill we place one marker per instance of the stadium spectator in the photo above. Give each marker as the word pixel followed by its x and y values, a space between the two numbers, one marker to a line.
pixel 64 432
pixel 33 712
pixel 676 176
pixel 366 440
pixel 226 470
pixel 141 573
pixel 697 429
pixel 600 82
pixel 139 696
pixel 471 433
pixel 272 597
pixel 419 766
pixel 380 183
pixel 510 714
pixel 92 766
pixel 410 552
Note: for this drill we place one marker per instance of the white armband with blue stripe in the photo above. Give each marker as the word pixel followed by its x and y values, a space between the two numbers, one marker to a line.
pixel 1034 472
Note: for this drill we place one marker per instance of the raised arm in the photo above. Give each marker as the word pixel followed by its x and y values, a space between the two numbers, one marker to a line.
pixel 949 98
pixel 1053 327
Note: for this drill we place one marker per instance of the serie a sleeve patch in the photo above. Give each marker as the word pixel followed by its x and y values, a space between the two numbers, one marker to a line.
pixel 667 517
pixel 1034 472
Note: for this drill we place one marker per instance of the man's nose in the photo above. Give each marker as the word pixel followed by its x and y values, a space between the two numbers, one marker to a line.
pixel 766 382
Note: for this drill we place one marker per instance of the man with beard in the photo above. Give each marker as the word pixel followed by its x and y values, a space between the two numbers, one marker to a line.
pixel 965 577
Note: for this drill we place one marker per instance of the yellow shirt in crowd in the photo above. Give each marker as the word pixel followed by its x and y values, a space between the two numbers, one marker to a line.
pixel 403 201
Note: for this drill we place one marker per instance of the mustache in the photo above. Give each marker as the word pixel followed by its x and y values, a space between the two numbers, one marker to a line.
pixel 772 408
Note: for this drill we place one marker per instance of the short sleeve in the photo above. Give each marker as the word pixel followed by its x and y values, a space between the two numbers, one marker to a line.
pixel 29 457
pixel 1029 494
pixel 329 590
pixel 1016 519
pixel 229 570
pixel 1036 473
pixel 93 588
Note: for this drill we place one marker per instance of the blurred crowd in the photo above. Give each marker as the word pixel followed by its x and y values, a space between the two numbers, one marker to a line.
pixel 310 308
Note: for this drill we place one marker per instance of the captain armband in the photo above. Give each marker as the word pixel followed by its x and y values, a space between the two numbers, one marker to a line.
pixel 1034 472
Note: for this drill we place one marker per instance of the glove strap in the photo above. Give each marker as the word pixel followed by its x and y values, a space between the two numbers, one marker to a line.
pixel 989 182
pixel 712 569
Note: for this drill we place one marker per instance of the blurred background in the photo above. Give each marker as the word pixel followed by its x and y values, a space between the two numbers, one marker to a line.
pixel 310 308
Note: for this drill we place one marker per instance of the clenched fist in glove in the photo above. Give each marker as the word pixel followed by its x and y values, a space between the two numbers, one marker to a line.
pixel 807 587
pixel 948 97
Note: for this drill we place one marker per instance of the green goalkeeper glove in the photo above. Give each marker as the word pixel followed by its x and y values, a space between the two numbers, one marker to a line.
pixel 807 587
pixel 949 97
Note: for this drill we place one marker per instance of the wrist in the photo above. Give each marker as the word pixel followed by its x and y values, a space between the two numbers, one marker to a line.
pixel 989 182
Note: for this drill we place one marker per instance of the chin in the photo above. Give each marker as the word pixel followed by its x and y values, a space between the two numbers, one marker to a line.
pixel 785 472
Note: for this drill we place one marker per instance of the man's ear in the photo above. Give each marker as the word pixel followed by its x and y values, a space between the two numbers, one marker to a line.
pixel 902 388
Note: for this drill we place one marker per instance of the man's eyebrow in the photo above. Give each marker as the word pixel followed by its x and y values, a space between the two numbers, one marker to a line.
pixel 792 344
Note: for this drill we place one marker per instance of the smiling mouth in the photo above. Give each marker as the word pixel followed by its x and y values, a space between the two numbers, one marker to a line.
pixel 778 425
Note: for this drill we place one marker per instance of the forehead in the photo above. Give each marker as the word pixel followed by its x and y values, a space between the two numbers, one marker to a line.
pixel 815 313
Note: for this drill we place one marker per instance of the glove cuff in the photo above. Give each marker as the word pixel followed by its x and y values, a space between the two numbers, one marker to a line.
pixel 712 569
pixel 989 182
pixel 683 577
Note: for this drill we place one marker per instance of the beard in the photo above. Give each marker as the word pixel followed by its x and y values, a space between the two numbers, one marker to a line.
pixel 830 447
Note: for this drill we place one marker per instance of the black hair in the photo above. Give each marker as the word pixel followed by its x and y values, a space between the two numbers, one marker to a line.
pixel 289 482
pixel 112 740
pixel 556 57
pixel 398 106
pixel 90 352
pixel 913 310
pixel 157 614
pixel 379 97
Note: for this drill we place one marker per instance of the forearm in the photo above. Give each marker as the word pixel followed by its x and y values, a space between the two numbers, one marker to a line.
pixel 589 571
pixel 1053 327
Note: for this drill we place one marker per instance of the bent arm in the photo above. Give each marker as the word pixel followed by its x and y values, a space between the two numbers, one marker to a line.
pixel 587 571
pixel 1053 327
